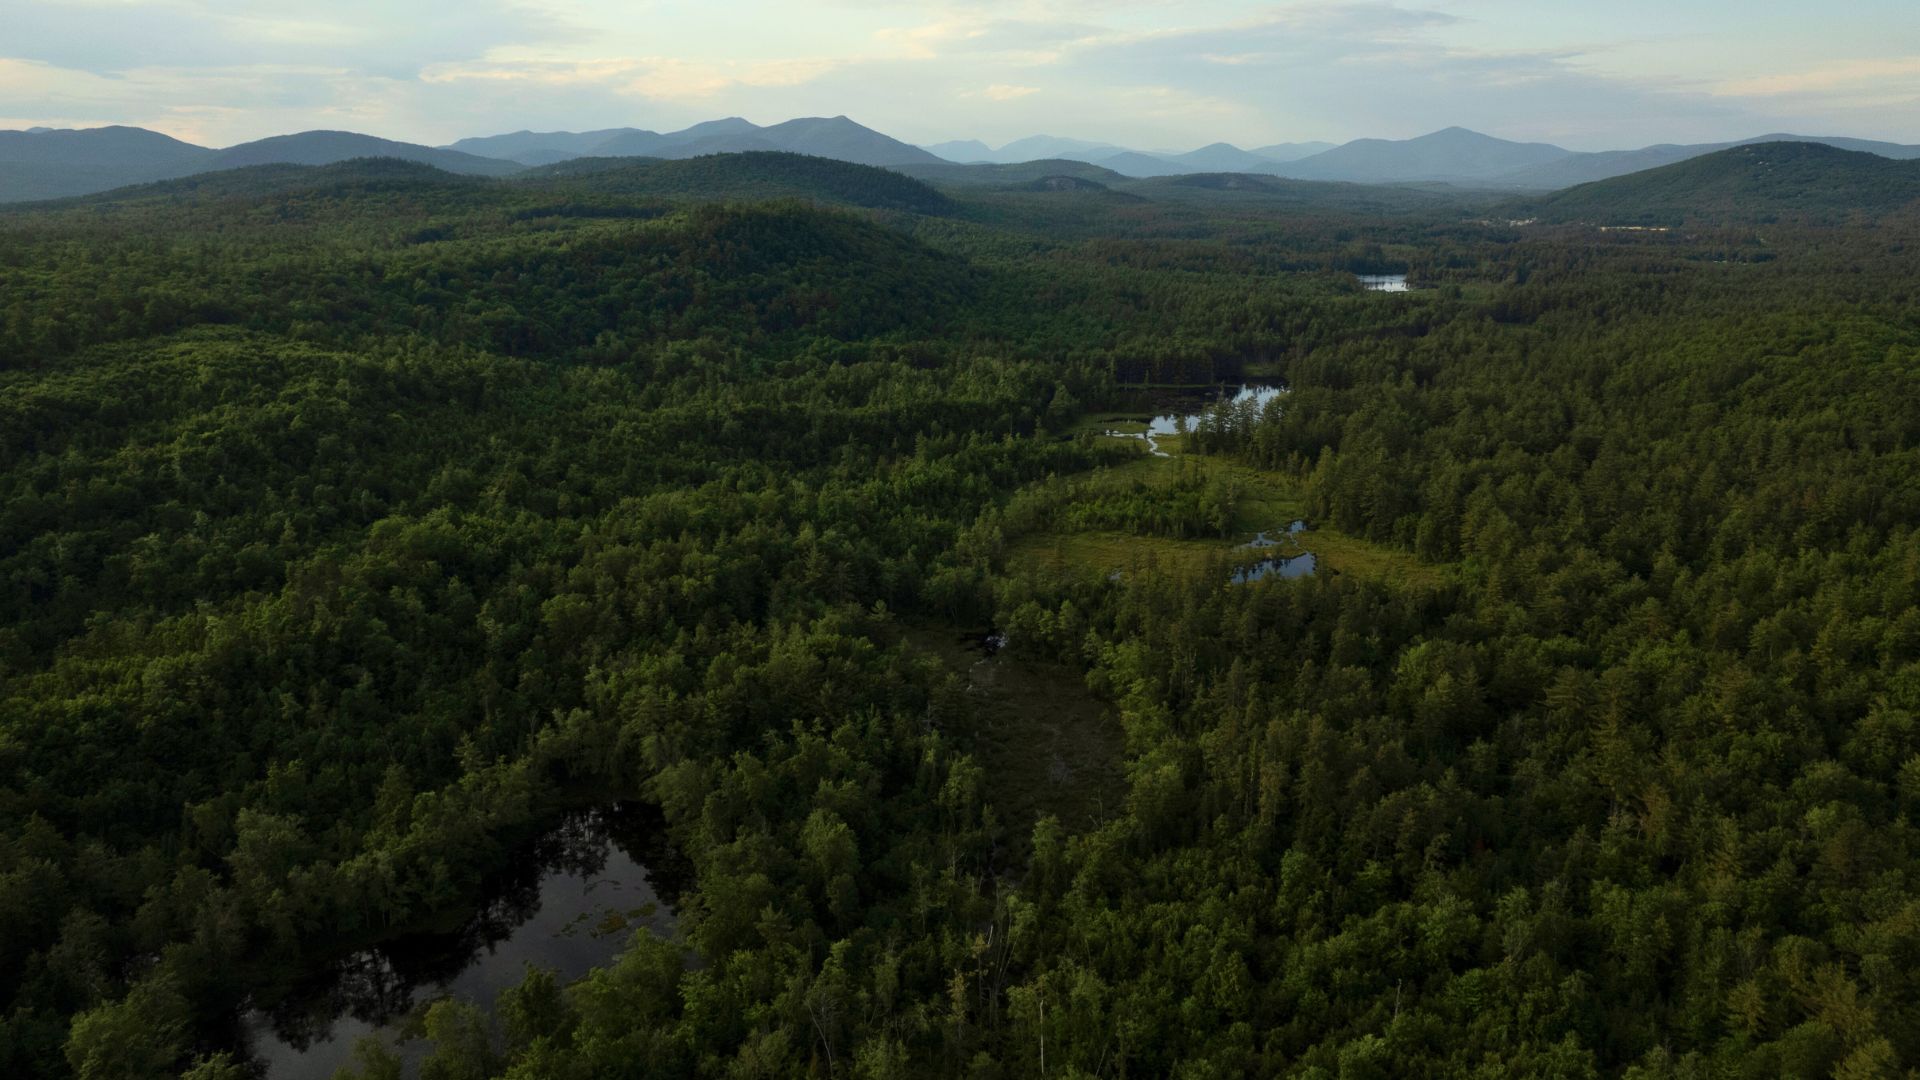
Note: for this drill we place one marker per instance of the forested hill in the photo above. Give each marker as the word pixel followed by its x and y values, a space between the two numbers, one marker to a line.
pixel 37 165
pixel 604 187
pixel 987 175
pixel 52 164
pixel 749 175
pixel 327 147
pixel 1744 183
pixel 508 278
pixel 250 185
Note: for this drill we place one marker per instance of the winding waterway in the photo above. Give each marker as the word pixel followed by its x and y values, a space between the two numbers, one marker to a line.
pixel 1252 397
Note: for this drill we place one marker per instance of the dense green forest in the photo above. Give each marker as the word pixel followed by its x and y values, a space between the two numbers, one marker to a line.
pixel 358 522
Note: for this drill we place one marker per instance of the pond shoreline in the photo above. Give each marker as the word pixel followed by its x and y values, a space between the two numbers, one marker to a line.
pixel 568 897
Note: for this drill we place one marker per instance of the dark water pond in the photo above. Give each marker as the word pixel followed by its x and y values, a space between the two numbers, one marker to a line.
pixel 1284 566
pixel 1299 564
pixel 570 902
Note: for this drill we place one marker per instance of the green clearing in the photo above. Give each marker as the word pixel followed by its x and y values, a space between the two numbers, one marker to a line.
pixel 1047 744
pixel 1131 423
pixel 1266 501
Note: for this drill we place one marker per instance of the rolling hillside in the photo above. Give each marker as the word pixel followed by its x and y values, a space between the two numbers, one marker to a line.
pixel 53 164
pixel 1604 165
pixel 541 147
pixel 1744 183
pixel 47 164
pixel 347 179
pixel 968 176
pixel 327 147
pixel 62 164
pixel 749 175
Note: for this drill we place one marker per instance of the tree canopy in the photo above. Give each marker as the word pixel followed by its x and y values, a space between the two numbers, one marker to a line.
pixel 356 523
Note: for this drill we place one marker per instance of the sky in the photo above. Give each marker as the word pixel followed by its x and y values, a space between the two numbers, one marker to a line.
pixel 1587 74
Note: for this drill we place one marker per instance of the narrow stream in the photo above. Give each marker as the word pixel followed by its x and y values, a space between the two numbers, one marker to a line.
pixel 1252 398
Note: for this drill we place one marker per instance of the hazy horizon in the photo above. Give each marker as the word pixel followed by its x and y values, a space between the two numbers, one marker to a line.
pixel 216 72
pixel 995 146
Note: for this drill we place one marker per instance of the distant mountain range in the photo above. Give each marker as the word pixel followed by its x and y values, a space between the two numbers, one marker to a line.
pixel 52 164
pixel 327 147
pixel 45 164
pixel 1218 157
pixel 1452 156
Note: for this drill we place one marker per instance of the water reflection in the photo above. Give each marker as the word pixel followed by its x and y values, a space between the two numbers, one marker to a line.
pixel 570 902
pixel 1283 566
pixel 1275 539
pixel 1252 396
pixel 1299 564
pixel 1383 282
pixel 1190 410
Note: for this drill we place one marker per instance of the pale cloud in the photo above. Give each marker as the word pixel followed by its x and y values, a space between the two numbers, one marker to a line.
pixel 1144 74
pixel 656 77
pixel 113 36
pixel 598 72
pixel 668 79
pixel 1852 75
pixel 27 82
pixel 917 42
pixel 1014 42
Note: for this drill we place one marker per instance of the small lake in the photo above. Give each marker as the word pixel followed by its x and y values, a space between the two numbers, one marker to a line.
pixel 1383 282
pixel 1183 411
pixel 570 902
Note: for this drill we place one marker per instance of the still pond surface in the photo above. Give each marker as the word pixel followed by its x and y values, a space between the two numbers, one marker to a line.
pixel 1299 564
pixel 572 900
pixel 1183 412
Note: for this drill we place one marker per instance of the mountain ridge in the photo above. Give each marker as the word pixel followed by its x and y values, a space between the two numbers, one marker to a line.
pixel 1449 155
pixel 328 147
pixel 836 137
pixel 54 163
